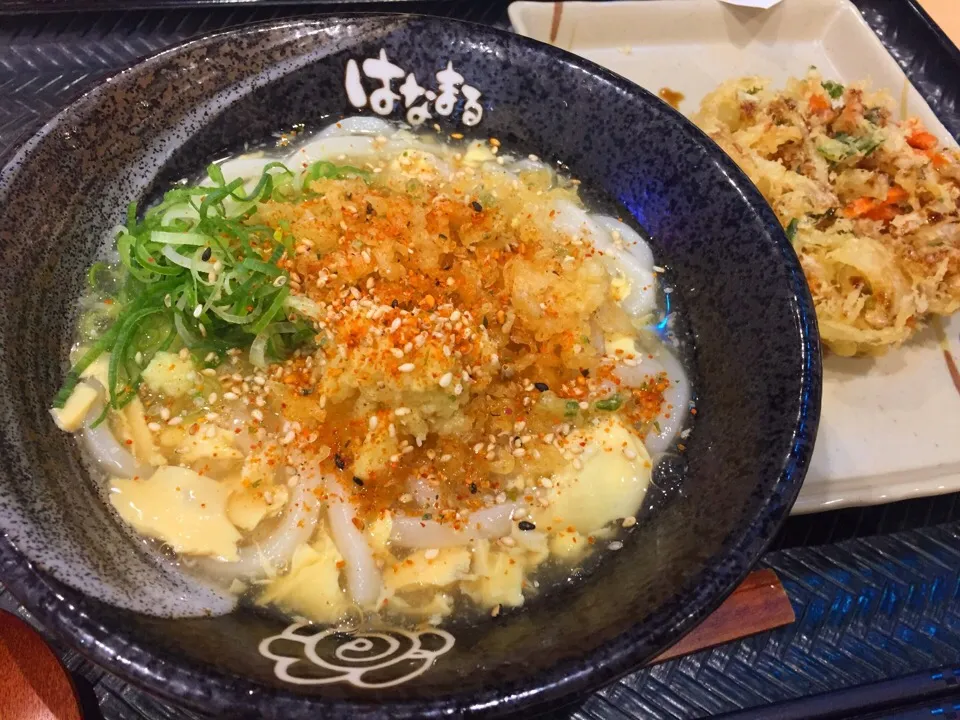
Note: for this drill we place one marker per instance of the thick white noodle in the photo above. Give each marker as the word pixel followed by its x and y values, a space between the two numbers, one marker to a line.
pixel 110 455
pixel 634 262
pixel 676 397
pixel 296 525
pixel 363 576
pixel 490 523
pixel 358 125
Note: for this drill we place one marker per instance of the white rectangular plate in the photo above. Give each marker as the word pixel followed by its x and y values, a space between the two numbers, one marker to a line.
pixel 890 427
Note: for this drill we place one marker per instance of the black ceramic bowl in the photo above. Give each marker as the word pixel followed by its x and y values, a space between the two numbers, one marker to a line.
pixel 756 364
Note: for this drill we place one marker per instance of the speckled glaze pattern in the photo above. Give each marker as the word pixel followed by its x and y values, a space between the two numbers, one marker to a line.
pixel 756 360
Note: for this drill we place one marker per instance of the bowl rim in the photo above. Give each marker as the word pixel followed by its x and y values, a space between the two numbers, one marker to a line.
pixel 71 616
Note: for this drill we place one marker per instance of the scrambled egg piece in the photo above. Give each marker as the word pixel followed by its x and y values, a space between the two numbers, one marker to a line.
pixel 98 370
pixel 131 426
pixel 181 508
pixel 70 417
pixel 568 546
pixel 620 346
pixel 418 571
pixel 378 534
pixel 437 607
pixel 608 486
pixel 498 578
pixel 203 446
pixel 312 587
pixel 248 506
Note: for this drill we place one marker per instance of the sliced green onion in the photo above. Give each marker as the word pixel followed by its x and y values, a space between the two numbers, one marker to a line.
pixel 262 267
pixel 275 307
pixel 609 404
pixel 259 345
pixel 186 335
pixel 185 262
pixel 179 238
pixel 163 287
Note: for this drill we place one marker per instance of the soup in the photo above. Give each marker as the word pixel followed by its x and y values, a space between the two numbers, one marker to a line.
pixel 376 374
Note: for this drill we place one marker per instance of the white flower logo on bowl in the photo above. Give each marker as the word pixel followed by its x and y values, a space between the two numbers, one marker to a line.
pixel 369 659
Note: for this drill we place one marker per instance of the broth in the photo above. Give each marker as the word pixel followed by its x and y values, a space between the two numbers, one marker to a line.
pixel 377 373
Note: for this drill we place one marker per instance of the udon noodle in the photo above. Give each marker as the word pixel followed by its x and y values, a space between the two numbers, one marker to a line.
pixel 380 372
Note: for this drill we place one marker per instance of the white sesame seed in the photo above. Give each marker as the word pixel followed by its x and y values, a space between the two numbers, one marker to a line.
pixel 392 430
pixel 407 367
pixel 212 398
pixel 256 415
pixel 629 521
pixel 197 310
pixel 154 426
pixel 408 450
pixel 288 438
pixel 454 316
pixel 211 416
pixel 584 405
pixel 209 372
pixel 520 513
pixel 395 325
pixel 373 422
pixel 658 269
pixel 630 454
pixel 164 413
pixel 495 611
pixel 508 541
pixel 446 380
pixel 183 354
pixel 478 447
pixel 577 464
pixel 546 482
pixel 396 352
pixel 519 426
pixel 615 545
pixel 445 458
pixel 519 452
pixel 406 497
pixel 394 458
pixel 175 420
pixel 401 411
pixel 431 553
pixel 457 389
pixel 229 395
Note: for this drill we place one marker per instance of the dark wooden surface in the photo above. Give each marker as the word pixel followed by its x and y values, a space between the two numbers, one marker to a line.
pixel 760 603
pixel 33 683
